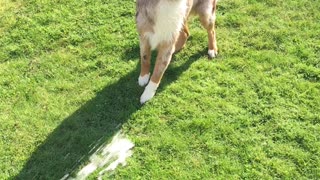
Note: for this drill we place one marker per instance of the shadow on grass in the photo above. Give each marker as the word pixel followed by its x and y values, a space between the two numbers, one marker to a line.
pixel 79 135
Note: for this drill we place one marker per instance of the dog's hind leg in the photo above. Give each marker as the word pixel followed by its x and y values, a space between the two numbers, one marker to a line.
pixel 184 32
pixel 207 19
pixel 145 55
pixel 165 51
pixel 182 39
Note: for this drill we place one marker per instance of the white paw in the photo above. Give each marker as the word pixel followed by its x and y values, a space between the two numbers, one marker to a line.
pixel 148 92
pixel 212 53
pixel 143 80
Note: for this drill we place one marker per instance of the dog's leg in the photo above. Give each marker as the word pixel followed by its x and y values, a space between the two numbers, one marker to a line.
pixel 184 32
pixel 208 22
pixel 145 55
pixel 182 39
pixel 165 51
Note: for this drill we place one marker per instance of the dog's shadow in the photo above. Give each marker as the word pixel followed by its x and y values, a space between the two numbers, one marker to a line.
pixel 96 122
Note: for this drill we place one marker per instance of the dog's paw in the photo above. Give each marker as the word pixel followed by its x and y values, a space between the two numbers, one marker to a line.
pixel 148 92
pixel 143 80
pixel 212 53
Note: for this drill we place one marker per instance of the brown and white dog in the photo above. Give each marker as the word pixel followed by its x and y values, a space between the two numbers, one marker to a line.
pixel 162 25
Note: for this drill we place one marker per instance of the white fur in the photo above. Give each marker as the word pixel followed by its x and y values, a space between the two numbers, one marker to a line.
pixel 212 53
pixel 168 21
pixel 143 80
pixel 148 92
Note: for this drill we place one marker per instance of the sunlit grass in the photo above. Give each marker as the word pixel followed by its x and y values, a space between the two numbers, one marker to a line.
pixel 68 81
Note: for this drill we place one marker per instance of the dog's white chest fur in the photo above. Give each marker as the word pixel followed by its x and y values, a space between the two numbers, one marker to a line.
pixel 169 19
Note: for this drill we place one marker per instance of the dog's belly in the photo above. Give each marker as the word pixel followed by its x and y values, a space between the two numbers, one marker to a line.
pixel 168 21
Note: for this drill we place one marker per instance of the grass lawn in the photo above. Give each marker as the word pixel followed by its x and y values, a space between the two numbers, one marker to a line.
pixel 68 83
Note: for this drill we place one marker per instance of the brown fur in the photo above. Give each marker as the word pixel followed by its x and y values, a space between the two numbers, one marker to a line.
pixel 145 19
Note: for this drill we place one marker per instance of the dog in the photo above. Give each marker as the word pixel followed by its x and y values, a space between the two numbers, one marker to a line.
pixel 162 26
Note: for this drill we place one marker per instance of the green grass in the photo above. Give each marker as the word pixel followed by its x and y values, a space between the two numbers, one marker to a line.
pixel 68 82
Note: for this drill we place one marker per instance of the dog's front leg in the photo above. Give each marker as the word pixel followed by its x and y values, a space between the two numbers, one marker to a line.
pixel 165 51
pixel 145 55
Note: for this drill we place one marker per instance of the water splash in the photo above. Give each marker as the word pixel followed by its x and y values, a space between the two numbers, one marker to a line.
pixel 110 155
